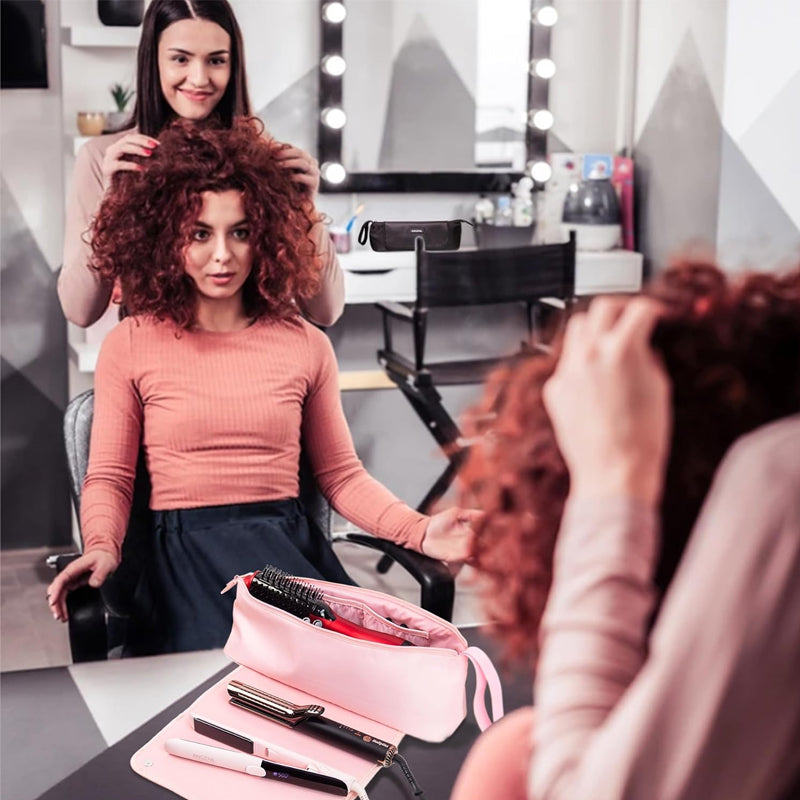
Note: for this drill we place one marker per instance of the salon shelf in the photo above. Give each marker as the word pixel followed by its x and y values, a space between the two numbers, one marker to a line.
pixel 76 142
pixel 84 356
pixel 101 36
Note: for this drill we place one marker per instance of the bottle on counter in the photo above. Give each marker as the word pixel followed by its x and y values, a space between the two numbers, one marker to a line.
pixel 484 211
pixel 504 216
pixel 522 205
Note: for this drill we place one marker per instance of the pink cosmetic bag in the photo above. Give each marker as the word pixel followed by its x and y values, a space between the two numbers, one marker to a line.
pixel 419 690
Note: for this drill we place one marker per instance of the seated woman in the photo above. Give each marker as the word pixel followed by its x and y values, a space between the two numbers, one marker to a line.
pixel 222 382
pixel 601 462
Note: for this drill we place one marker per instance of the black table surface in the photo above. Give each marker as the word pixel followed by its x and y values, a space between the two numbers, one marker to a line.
pixel 435 766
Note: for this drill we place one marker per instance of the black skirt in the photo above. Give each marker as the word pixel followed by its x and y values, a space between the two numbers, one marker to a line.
pixel 197 551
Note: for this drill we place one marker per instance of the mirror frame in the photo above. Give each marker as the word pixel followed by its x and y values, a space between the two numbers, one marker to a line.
pixel 329 141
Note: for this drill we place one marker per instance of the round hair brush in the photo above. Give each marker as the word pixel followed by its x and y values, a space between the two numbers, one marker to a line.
pixel 284 591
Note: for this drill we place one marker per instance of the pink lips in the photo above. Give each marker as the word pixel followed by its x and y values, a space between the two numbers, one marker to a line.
pixel 222 277
pixel 197 97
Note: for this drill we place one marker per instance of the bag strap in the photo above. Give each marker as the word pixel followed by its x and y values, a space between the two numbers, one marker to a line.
pixel 485 673
pixel 362 234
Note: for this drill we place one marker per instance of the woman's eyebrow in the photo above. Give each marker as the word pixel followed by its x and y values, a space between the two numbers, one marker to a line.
pixel 201 224
pixel 190 53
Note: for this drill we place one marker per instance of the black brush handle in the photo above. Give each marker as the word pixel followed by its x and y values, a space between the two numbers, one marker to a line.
pixel 349 738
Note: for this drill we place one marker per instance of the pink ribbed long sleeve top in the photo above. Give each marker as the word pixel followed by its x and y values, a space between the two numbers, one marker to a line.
pixel 709 707
pixel 222 416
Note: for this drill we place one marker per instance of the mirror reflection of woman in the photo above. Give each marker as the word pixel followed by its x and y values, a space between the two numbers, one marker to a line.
pixel 222 382
pixel 191 66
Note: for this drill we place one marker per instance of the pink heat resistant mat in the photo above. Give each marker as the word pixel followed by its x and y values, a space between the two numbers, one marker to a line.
pixel 196 781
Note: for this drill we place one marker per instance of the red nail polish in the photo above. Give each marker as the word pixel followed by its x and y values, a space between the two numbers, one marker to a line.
pixel 148 152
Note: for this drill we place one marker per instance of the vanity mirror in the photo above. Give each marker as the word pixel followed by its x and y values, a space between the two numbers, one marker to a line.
pixel 432 95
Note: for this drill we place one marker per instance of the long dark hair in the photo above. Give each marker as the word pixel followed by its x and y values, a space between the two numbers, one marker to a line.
pixel 151 112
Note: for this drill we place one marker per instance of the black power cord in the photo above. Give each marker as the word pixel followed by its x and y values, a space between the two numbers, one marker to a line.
pixel 415 787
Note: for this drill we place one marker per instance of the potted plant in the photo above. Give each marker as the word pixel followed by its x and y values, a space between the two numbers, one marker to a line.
pixel 116 120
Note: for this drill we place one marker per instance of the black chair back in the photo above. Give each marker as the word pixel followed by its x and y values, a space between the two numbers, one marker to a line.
pixel 482 277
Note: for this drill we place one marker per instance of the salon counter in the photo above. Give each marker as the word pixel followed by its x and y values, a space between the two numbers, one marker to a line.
pixel 371 277
pixel 54 720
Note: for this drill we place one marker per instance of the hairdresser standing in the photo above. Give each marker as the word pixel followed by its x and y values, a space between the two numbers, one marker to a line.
pixel 190 65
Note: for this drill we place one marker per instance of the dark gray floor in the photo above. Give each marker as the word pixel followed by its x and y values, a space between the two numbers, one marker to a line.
pixel 31 638
pixel 33 758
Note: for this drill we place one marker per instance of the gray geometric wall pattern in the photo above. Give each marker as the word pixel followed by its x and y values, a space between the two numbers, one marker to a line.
pixel 694 180
pixel 429 109
pixel 755 230
pixel 760 187
pixel 33 393
pixel 677 158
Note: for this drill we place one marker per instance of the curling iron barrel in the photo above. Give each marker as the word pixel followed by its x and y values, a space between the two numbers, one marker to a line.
pixel 310 720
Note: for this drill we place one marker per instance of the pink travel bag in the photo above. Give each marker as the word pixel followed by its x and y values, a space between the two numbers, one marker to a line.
pixel 384 689
pixel 419 690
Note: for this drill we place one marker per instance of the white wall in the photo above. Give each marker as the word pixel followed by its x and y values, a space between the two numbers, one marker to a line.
pixel 759 214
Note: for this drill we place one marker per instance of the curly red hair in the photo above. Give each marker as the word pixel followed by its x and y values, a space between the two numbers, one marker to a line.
pixel 732 351
pixel 145 223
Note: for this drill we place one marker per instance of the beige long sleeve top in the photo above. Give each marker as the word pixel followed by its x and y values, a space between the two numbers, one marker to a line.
pixel 709 708
pixel 84 297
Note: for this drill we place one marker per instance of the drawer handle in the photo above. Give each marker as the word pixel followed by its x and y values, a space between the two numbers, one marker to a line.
pixel 371 271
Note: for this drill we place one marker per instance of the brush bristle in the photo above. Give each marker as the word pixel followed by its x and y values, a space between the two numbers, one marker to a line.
pixel 284 591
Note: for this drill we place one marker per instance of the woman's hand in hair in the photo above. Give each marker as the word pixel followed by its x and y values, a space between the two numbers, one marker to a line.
pixel 305 169
pixel 449 535
pixel 91 568
pixel 609 401
pixel 132 144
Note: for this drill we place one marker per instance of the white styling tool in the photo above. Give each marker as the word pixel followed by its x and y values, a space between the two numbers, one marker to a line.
pixel 255 766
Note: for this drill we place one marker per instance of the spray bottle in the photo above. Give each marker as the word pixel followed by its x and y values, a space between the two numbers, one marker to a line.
pixel 522 206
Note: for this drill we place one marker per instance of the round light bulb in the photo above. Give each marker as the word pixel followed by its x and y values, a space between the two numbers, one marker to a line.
pixel 546 16
pixel 540 171
pixel 541 118
pixel 333 172
pixel 334 12
pixel 333 65
pixel 543 68
pixel 334 118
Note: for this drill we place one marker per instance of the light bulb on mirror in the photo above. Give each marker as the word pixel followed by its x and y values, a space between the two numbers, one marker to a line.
pixel 546 15
pixel 543 68
pixel 334 118
pixel 333 65
pixel 334 12
pixel 333 172
pixel 540 118
pixel 540 171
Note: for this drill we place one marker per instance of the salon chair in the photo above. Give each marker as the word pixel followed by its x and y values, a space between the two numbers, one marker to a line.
pixel 102 620
pixel 540 277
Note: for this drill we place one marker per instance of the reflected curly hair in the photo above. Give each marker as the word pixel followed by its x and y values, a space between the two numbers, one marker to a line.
pixel 145 223
pixel 732 352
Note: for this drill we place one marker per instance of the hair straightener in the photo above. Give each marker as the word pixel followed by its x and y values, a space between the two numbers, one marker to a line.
pixel 254 746
pixel 309 719
pixel 255 766
pixel 278 588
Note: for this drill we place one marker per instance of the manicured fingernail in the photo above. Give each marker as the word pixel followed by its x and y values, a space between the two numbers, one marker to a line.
pixel 148 152
pixel 153 143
